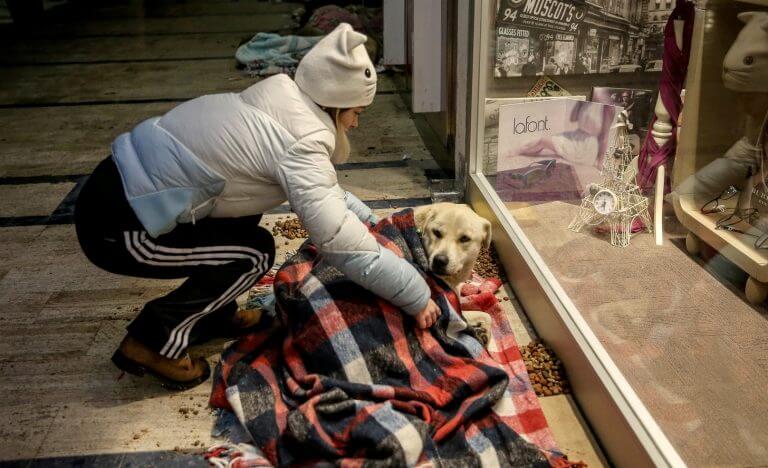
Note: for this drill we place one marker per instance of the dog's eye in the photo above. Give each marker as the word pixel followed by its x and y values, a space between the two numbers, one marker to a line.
pixel 437 233
pixel 464 239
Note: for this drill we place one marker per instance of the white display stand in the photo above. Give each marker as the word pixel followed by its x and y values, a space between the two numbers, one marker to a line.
pixel 736 247
pixel 705 137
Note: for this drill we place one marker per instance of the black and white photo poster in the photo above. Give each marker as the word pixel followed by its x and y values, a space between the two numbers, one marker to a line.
pixel 565 37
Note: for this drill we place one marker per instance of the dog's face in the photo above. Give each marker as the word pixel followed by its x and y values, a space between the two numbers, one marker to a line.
pixel 453 236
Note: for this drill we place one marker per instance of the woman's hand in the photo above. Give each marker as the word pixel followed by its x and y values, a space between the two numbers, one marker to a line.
pixel 427 317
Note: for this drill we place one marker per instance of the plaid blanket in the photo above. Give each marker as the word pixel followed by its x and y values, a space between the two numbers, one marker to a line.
pixel 349 379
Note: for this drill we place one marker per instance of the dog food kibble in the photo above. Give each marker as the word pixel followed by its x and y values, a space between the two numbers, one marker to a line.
pixel 488 265
pixel 291 228
pixel 544 369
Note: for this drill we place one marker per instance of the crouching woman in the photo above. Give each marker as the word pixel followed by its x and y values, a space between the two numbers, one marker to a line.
pixel 183 194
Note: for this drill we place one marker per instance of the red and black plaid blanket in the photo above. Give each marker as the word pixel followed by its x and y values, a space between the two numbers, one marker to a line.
pixel 349 379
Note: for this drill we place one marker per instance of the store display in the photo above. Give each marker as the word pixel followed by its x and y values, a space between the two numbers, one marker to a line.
pixel 660 149
pixel 565 37
pixel 492 106
pixel 534 172
pixel 547 87
pixel 716 204
pixel 559 182
pixel 706 170
pixel 736 166
pixel 759 202
pixel 745 71
pixel 615 200
pixel 650 309
pixel 746 74
pixel 537 37
pixel 637 103
pixel 658 207
pixel 491 135
pixel 549 150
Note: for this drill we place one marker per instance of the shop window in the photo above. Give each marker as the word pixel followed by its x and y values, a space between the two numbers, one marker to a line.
pixel 555 158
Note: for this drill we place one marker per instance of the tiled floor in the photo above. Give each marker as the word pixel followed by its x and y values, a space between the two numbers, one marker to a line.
pixel 69 88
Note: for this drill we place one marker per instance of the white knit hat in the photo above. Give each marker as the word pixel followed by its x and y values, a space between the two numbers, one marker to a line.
pixel 337 72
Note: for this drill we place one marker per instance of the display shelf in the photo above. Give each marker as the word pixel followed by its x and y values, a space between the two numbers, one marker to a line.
pixel 736 247
pixel 704 140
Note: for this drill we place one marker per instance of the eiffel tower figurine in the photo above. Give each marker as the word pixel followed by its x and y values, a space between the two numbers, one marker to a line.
pixel 616 200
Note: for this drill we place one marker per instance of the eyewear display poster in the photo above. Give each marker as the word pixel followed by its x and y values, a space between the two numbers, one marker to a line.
pixel 550 150
pixel 564 37
pixel 491 134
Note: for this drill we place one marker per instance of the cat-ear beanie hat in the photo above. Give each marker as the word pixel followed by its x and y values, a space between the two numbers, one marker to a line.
pixel 338 72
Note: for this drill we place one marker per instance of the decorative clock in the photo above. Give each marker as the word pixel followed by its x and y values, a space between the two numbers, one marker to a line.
pixel 604 202
pixel 615 201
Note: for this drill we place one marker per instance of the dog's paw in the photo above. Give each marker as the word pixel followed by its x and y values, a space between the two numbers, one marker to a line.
pixel 480 324
pixel 480 332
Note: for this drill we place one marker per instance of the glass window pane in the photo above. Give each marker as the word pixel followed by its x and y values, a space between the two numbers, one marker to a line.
pixel 572 129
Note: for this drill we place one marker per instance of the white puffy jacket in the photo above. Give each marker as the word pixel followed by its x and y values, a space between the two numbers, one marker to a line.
pixel 231 155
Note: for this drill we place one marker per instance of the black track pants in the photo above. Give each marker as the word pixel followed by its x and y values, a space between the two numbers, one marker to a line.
pixel 221 258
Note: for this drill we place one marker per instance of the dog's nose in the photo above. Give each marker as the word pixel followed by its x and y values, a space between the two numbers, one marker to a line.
pixel 440 263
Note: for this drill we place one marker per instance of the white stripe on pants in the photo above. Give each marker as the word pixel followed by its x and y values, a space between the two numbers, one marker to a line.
pixel 145 251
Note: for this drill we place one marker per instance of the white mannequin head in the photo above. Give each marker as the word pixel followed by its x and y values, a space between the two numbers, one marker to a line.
pixel 745 67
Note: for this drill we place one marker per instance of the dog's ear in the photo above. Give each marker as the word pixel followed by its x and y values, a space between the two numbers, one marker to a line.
pixel 487 239
pixel 422 215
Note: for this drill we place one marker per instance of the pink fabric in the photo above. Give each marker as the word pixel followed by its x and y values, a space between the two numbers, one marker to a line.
pixel 637 226
pixel 673 72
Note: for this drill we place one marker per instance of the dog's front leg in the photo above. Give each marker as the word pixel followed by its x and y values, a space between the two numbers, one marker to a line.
pixel 481 322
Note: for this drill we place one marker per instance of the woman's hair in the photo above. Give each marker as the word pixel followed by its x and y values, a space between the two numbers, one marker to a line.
pixel 342 148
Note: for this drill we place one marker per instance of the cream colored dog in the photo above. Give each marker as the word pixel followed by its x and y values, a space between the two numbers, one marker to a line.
pixel 453 236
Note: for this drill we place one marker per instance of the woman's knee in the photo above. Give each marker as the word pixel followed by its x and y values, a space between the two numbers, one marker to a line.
pixel 260 239
pixel 266 239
